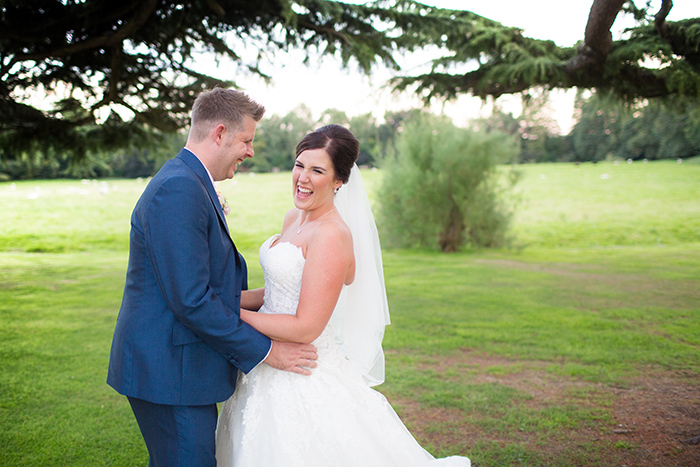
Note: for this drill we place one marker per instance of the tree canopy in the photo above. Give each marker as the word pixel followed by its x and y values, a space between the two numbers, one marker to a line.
pixel 658 58
pixel 78 75
pixel 94 57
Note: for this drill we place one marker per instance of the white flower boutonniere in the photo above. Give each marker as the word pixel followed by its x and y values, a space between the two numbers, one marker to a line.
pixel 224 203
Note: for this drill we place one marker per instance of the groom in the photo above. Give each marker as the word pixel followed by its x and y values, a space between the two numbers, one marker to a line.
pixel 179 342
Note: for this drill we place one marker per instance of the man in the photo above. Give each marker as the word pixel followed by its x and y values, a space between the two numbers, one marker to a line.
pixel 179 342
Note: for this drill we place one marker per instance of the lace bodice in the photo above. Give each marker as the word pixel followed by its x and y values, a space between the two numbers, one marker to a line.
pixel 283 265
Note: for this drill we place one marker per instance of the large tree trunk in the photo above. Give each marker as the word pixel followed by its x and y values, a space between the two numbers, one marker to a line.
pixel 660 17
pixel 600 20
pixel 597 39
pixel 451 237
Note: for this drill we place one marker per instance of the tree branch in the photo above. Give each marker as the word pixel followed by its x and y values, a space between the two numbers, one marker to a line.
pixel 325 30
pixel 216 8
pixel 112 94
pixel 597 40
pixel 36 31
pixel 104 41
pixel 660 18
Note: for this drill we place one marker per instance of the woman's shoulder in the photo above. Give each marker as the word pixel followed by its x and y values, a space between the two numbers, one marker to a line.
pixel 332 233
pixel 331 244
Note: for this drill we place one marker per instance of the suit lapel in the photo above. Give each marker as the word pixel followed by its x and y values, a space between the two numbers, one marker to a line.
pixel 199 170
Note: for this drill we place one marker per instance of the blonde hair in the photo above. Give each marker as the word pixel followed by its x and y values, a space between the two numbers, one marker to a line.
pixel 225 106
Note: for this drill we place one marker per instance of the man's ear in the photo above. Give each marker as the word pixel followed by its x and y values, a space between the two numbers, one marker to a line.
pixel 219 133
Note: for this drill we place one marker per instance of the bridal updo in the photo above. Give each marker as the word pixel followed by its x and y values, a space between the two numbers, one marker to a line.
pixel 340 144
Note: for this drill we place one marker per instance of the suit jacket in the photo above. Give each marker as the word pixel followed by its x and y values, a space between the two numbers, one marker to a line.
pixel 178 338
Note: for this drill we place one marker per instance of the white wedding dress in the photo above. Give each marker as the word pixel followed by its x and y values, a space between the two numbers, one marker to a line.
pixel 331 418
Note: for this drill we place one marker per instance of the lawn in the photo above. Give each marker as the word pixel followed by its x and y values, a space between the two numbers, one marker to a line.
pixel 578 347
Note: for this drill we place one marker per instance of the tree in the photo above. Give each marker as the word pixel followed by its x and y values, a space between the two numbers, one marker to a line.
pixel 115 70
pixel 366 128
pixel 658 59
pixel 594 135
pixel 645 130
pixel 535 129
pixel 81 75
pixel 442 189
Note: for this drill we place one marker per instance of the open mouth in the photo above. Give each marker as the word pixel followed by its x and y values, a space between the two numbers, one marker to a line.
pixel 303 192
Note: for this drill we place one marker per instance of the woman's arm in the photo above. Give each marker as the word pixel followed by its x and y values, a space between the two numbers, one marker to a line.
pixel 329 257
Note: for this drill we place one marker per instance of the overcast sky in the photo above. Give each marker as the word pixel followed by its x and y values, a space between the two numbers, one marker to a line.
pixel 322 85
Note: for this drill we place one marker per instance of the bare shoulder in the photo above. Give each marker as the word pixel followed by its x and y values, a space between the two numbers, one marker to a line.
pixel 332 237
pixel 330 249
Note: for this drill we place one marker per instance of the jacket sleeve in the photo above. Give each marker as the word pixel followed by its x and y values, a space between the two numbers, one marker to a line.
pixel 178 243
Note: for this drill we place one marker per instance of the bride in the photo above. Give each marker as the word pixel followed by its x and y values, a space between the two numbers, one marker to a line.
pixel 323 285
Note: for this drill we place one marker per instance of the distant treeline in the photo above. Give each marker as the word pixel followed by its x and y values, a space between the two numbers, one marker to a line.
pixel 605 129
pixel 608 129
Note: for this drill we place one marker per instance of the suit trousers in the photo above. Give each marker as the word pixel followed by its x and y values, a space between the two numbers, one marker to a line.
pixel 177 435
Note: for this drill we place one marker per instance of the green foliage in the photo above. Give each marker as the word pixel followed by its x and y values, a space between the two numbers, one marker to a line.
pixel 649 65
pixel 106 74
pixel 277 138
pixel 441 189
pixel 534 128
pixel 658 129
pixel 141 158
pixel 606 128
pixel 484 58
pixel 133 63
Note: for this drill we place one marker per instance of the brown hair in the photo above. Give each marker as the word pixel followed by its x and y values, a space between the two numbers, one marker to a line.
pixel 340 144
pixel 225 106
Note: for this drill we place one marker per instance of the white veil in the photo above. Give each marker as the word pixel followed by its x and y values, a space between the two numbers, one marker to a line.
pixel 362 311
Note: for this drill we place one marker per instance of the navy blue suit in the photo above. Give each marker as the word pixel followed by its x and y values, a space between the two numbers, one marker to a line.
pixel 178 339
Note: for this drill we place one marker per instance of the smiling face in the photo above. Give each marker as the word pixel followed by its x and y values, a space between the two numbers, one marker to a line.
pixel 234 148
pixel 314 180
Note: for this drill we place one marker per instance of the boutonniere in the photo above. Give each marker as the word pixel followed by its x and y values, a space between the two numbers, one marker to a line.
pixel 224 203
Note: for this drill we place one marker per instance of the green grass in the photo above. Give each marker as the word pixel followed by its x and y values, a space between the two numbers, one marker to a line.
pixel 612 313
pixel 606 204
pixel 511 357
pixel 56 321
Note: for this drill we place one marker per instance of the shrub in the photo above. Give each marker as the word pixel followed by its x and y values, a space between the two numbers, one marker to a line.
pixel 442 189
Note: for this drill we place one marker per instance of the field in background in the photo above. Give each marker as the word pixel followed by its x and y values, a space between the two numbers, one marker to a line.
pixel 608 204
pixel 557 205
pixel 581 346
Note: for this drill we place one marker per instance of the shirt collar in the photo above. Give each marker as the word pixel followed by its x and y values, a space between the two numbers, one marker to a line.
pixel 205 167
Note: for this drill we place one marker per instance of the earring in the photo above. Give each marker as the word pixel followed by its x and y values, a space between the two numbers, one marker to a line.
pixel 335 191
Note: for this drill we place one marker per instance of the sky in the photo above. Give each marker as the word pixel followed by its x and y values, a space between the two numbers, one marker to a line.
pixel 323 85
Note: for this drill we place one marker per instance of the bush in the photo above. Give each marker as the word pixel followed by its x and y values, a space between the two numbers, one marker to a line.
pixel 442 189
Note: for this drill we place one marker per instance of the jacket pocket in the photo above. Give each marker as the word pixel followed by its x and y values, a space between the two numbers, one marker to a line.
pixel 182 335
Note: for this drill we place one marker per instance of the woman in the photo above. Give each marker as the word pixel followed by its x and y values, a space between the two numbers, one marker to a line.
pixel 323 284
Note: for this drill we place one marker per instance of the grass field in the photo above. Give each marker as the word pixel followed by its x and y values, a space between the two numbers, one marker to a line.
pixel 579 347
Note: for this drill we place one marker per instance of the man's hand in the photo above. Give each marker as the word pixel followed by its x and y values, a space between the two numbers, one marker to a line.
pixel 290 356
